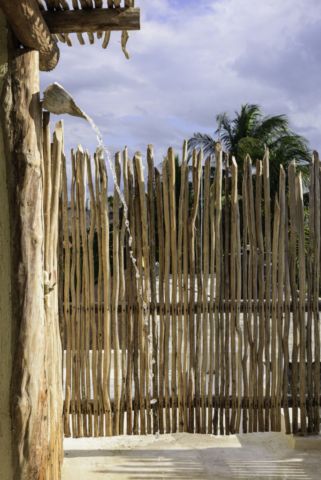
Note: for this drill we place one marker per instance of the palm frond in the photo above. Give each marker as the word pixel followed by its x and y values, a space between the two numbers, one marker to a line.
pixel 246 121
pixel 291 146
pixel 271 127
pixel 225 132
pixel 250 132
pixel 201 141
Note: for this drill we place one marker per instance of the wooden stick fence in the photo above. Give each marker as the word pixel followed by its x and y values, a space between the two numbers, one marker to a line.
pixel 219 333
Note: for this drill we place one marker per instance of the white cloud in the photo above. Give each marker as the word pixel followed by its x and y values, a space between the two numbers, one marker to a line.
pixel 189 63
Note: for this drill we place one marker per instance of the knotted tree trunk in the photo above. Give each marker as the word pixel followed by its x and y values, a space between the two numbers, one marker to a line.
pixel 33 436
pixel 6 333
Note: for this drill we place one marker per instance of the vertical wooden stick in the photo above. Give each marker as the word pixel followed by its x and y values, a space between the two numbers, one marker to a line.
pixel 218 257
pixel 302 299
pixel 197 168
pixel 275 248
pixel 106 296
pixel 211 313
pixel 123 317
pixel 245 302
pixel 226 374
pixel 261 288
pixel 155 323
pixel 316 289
pixel 92 303
pixel 206 256
pixel 167 294
pixel 280 307
pixel 162 318
pixel 115 297
pixel 268 262
pixel 146 291
pixel 294 295
pixel 66 299
pixel 173 248
pixel 186 358
pixel 100 299
pixel 181 311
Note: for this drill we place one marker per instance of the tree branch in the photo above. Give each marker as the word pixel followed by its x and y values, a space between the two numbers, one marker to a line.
pixel 31 30
pixel 80 21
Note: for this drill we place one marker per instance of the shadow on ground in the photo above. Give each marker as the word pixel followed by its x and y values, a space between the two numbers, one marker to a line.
pixel 182 456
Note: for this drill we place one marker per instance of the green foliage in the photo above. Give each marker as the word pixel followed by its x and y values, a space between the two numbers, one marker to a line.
pixel 250 133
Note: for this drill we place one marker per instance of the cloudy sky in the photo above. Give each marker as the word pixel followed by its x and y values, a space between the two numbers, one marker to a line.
pixel 191 60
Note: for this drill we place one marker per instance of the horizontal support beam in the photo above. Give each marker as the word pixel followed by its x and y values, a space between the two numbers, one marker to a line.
pixel 95 20
pixel 29 27
pixel 223 307
pixel 89 406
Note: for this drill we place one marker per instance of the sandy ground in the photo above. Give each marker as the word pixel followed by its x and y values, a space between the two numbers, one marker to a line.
pixel 184 456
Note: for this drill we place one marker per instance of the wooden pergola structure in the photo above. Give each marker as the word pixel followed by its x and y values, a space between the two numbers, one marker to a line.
pixel 30 351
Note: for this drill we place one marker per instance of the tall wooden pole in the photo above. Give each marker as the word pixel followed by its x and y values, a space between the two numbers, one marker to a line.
pixel 21 125
pixel 6 471
pixel 29 398
pixel 31 30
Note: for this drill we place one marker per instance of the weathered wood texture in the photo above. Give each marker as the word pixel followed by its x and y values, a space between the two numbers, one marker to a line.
pixel 51 167
pixel 6 325
pixel 80 21
pixel 31 30
pixel 22 127
pixel 97 20
pixel 36 371
pixel 219 332
pixel 40 28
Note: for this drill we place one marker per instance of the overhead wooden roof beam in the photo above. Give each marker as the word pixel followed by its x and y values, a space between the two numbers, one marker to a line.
pixel 30 28
pixel 94 20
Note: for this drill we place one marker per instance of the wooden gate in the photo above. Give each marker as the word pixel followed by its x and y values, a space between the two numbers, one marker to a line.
pixel 218 332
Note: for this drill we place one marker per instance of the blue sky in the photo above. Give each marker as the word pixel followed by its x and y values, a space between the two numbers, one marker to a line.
pixel 192 60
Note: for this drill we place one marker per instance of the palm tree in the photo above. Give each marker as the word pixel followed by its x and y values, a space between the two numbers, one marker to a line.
pixel 250 132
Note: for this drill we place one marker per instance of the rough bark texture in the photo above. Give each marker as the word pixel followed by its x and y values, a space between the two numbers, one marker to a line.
pixel 53 348
pixel 28 388
pixel 22 127
pixel 80 21
pixel 31 30
pixel 6 472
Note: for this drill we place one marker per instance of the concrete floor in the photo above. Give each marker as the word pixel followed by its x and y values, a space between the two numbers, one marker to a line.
pixel 184 456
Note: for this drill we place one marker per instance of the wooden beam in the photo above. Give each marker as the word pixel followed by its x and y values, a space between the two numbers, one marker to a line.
pixel 29 27
pixel 6 324
pixel 21 124
pixel 223 402
pixel 102 19
pixel 224 306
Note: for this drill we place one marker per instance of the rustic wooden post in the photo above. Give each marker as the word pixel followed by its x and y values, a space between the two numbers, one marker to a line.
pixel 23 322
pixel 31 30
pixel 6 471
pixel 53 362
